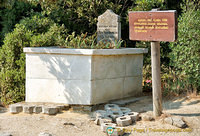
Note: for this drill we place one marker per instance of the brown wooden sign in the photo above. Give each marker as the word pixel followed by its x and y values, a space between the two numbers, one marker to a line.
pixel 153 25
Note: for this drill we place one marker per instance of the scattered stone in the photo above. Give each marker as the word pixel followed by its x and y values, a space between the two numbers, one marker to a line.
pixel 31 107
pixel 113 111
pixel 100 113
pixel 92 119
pixel 44 134
pixel 97 120
pixel 87 108
pixel 5 134
pixel 148 116
pixel 115 114
pixel 28 109
pixel 134 116
pixel 60 107
pixel 168 120
pixel 37 109
pixel 124 121
pixel 77 108
pixel 102 119
pixel 66 107
pixel 175 121
pixel 105 120
pixel 14 109
pixel 125 110
pixel 50 110
pixel 104 126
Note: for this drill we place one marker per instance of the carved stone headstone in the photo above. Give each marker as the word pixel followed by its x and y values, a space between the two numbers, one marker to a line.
pixel 108 27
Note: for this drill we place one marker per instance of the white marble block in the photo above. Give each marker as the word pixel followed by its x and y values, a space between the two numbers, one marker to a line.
pixel 82 76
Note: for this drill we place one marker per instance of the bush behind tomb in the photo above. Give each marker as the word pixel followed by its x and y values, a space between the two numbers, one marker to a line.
pixel 35 31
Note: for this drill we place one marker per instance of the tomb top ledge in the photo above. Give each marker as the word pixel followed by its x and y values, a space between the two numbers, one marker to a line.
pixel 70 51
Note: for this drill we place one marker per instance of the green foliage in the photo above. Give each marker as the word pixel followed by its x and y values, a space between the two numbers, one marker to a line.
pixel 6 3
pixel 89 42
pixel 185 55
pixel 13 14
pixel 146 5
pixel 35 31
pixel 80 15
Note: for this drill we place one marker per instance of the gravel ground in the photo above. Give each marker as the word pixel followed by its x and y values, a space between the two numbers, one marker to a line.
pixel 71 123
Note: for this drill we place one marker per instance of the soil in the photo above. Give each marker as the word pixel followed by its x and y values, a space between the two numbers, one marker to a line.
pixel 70 123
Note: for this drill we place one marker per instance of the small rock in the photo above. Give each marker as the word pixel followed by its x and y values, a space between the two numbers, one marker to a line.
pixel 92 118
pixel 28 109
pixel 102 119
pixel 114 114
pixel 37 109
pixel 105 120
pixel 148 116
pixel 100 113
pixel 66 107
pixel 175 121
pixel 168 120
pixel 125 110
pixel 104 126
pixel 61 107
pixel 14 108
pixel 97 121
pixel 50 110
pixel 44 134
pixel 134 116
pixel 124 121
pixel 77 108
pixel 87 108
pixel 113 111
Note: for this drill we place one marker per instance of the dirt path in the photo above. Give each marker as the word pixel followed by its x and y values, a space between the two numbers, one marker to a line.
pixel 70 123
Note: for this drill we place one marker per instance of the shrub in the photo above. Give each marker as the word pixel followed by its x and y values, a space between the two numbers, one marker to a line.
pixel 146 5
pixel 185 55
pixel 12 12
pixel 35 31
pixel 90 42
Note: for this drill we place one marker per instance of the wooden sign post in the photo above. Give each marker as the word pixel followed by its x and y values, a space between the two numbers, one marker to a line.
pixel 154 26
pixel 156 79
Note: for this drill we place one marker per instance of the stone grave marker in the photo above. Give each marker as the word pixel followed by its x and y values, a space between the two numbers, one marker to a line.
pixel 108 27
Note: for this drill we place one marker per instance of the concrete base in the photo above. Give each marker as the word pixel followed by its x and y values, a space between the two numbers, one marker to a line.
pixel 82 76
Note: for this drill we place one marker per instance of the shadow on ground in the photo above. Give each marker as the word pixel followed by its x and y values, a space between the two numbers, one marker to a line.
pixel 186 115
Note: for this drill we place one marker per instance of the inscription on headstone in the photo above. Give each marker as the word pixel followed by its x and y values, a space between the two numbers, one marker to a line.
pixel 108 27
